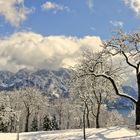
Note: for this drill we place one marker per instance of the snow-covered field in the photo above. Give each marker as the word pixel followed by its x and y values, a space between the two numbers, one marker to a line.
pixel 111 133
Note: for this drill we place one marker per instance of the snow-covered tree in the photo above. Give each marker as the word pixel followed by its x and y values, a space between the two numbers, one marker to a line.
pixel 114 118
pixel 34 125
pixel 93 92
pixel 54 123
pixel 31 100
pixel 7 113
pixel 124 46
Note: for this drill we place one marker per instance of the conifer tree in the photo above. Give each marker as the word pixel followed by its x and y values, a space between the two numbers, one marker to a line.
pixel 54 124
pixel 3 126
pixel 47 123
pixel 34 126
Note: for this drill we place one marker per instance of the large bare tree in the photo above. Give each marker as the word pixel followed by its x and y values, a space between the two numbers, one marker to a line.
pixel 126 46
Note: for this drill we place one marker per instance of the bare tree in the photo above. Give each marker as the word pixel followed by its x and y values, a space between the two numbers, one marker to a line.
pixel 114 118
pixel 31 100
pixel 93 92
pixel 126 46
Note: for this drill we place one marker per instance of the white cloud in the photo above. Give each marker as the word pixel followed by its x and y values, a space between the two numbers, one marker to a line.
pixel 90 4
pixel 117 23
pixel 31 50
pixel 54 6
pixel 14 11
pixel 134 5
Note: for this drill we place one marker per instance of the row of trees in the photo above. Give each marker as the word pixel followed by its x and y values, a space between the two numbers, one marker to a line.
pixel 29 110
pixel 24 110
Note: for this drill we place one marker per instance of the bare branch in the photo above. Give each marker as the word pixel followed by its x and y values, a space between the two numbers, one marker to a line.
pixel 126 58
pixel 113 84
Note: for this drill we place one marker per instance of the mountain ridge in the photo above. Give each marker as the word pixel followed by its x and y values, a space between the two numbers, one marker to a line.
pixel 51 82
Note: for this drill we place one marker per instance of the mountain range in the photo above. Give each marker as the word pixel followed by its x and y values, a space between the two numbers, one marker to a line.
pixel 50 82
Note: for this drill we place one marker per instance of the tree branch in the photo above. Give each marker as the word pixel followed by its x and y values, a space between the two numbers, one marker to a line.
pixel 127 61
pixel 113 84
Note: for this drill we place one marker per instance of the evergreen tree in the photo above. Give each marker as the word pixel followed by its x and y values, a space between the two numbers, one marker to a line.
pixel 34 126
pixel 3 125
pixel 47 123
pixel 54 124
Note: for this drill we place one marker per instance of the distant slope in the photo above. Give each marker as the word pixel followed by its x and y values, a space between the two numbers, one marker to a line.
pixel 124 102
pixel 52 83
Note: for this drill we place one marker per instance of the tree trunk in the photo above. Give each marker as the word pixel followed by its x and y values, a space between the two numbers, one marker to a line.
pixel 11 124
pixel 97 116
pixel 60 118
pixel 84 125
pixel 68 120
pixel 27 121
pixel 87 116
pixel 138 102
pixel 138 113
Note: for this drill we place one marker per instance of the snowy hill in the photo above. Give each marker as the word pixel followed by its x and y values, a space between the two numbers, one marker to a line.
pixel 112 133
pixel 50 82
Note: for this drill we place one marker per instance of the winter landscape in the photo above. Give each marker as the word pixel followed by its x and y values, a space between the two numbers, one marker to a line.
pixel 69 70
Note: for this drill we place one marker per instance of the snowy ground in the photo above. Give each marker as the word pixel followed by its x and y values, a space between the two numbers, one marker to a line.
pixel 112 133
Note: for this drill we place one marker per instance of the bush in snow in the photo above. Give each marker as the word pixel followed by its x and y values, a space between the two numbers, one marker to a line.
pixel 114 118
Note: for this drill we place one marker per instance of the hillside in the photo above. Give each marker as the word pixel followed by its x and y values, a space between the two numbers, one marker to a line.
pixel 51 82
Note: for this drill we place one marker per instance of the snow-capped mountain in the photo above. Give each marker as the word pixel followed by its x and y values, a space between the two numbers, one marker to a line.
pixel 51 82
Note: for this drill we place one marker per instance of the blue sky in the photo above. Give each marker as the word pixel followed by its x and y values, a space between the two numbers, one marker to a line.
pixel 52 33
pixel 82 17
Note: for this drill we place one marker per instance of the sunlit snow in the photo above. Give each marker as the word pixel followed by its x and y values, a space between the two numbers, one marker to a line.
pixel 118 133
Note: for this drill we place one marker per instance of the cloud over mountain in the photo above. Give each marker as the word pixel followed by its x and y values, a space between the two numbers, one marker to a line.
pixel 32 50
